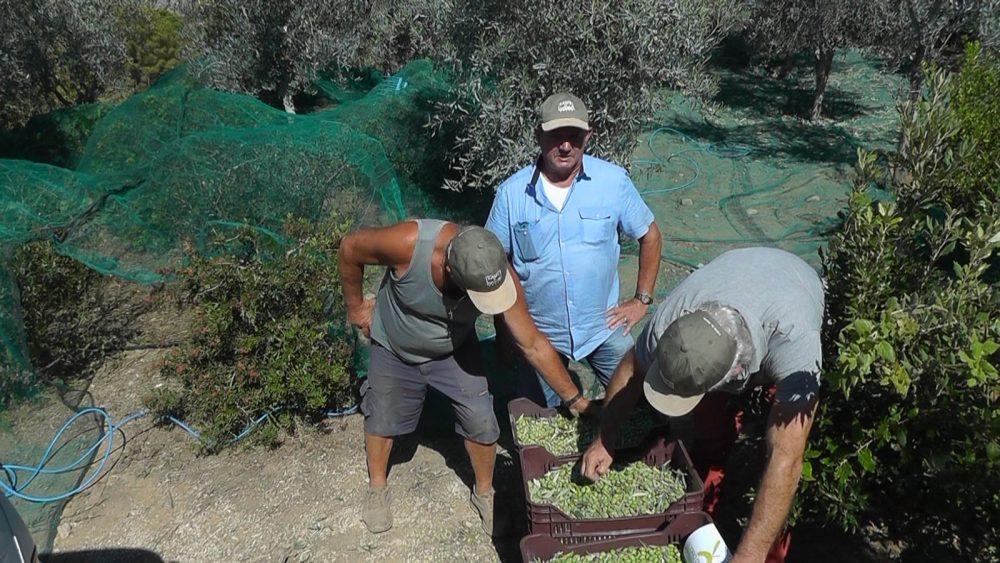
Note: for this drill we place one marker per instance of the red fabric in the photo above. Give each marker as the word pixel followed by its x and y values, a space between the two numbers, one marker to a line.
pixel 718 419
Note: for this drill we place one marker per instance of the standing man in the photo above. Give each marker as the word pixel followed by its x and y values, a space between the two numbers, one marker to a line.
pixel 439 279
pixel 558 220
pixel 750 317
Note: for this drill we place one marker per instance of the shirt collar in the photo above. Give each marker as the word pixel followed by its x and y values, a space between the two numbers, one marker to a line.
pixel 532 189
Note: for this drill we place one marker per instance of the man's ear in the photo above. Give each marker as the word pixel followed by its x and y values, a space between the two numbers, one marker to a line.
pixel 586 138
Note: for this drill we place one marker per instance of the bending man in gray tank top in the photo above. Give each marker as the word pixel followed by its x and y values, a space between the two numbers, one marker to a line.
pixel 439 278
pixel 751 317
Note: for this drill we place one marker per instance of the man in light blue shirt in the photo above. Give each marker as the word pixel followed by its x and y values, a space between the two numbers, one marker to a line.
pixel 558 220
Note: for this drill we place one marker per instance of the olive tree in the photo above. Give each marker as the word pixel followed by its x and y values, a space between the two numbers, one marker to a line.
pixel 58 53
pixel 274 49
pixel 782 28
pixel 613 55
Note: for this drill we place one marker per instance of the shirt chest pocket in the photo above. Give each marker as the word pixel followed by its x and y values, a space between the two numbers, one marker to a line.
pixel 526 237
pixel 596 224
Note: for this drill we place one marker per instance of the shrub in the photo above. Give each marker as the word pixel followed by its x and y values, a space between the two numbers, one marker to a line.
pixel 909 419
pixel 73 316
pixel 263 337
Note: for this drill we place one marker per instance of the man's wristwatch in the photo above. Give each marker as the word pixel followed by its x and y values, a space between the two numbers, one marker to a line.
pixel 644 298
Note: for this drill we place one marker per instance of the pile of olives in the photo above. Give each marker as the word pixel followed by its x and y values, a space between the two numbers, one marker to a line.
pixel 633 489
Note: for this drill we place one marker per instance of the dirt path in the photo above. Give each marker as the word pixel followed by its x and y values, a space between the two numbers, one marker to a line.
pixel 298 502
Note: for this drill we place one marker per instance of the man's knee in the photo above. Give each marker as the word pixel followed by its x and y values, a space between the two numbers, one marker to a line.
pixel 478 422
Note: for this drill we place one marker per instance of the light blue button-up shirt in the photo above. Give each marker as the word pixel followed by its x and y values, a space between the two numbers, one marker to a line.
pixel 567 260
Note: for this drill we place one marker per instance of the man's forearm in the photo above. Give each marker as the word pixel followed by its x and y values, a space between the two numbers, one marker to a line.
pixel 770 509
pixel 787 432
pixel 351 276
pixel 620 398
pixel 650 249
pixel 545 360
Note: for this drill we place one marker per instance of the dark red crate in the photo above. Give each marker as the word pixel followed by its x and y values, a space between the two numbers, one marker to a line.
pixel 539 547
pixel 549 520
pixel 519 407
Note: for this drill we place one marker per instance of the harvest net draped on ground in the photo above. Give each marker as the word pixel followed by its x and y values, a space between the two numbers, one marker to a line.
pixel 181 163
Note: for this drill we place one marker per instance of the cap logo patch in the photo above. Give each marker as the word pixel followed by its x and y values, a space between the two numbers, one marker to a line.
pixel 565 106
pixel 494 279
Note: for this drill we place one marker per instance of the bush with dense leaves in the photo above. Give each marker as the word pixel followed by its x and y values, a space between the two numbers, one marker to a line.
pixel 910 418
pixel 264 337
pixel 73 316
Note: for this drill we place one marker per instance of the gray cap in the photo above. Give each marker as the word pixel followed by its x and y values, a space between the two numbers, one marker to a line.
pixel 693 355
pixel 479 266
pixel 564 110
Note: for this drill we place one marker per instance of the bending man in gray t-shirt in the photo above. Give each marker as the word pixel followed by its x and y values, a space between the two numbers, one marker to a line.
pixel 750 317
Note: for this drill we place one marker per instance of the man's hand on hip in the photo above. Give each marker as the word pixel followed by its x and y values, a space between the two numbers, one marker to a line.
pixel 361 317
pixel 626 314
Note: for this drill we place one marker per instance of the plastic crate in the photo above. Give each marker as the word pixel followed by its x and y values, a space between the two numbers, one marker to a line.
pixel 539 547
pixel 519 407
pixel 549 520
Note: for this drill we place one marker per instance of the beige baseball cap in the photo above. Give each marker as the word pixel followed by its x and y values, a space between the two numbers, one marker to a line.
pixel 563 110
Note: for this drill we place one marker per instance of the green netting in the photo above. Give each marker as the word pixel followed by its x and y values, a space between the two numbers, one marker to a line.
pixel 752 173
pixel 179 164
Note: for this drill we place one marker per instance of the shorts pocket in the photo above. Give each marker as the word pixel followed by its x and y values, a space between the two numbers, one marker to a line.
pixel 596 224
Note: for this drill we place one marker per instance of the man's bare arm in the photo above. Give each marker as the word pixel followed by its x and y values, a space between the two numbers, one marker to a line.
pixel 627 314
pixel 623 392
pixel 787 431
pixel 650 250
pixel 538 351
pixel 387 246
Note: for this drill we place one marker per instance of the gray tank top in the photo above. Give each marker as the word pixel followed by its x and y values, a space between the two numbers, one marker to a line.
pixel 412 318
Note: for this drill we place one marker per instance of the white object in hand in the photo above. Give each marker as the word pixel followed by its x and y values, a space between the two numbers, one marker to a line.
pixel 705 545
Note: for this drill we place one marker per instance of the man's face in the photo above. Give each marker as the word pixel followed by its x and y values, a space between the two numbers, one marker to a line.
pixel 562 151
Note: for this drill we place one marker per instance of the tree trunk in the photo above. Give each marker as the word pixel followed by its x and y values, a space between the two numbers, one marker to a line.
pixel 917 73
pixel 824 61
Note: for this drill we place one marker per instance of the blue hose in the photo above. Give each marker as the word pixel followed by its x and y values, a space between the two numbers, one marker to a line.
pixel 13 489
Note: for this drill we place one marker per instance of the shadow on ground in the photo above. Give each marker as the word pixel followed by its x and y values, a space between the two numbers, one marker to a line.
pixel 121 555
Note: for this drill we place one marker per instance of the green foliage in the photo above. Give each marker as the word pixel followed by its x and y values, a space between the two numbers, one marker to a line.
pixel 73 316
pixel 154 44
pixel 57 137
pixel 977 109
pixel 58 54
pixel 910 417
pixel 262 339
pixel 613 55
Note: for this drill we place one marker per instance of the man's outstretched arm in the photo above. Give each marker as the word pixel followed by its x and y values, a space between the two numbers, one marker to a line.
pixel 787 431
pixel 538 351
pixel 623 392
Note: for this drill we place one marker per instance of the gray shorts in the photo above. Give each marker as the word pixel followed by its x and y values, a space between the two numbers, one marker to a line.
pixel 393 394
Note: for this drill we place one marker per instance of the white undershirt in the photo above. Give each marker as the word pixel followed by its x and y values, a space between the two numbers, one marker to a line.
pixel 554 193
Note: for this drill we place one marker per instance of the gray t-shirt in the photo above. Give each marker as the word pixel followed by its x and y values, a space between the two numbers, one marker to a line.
pixel 776 292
